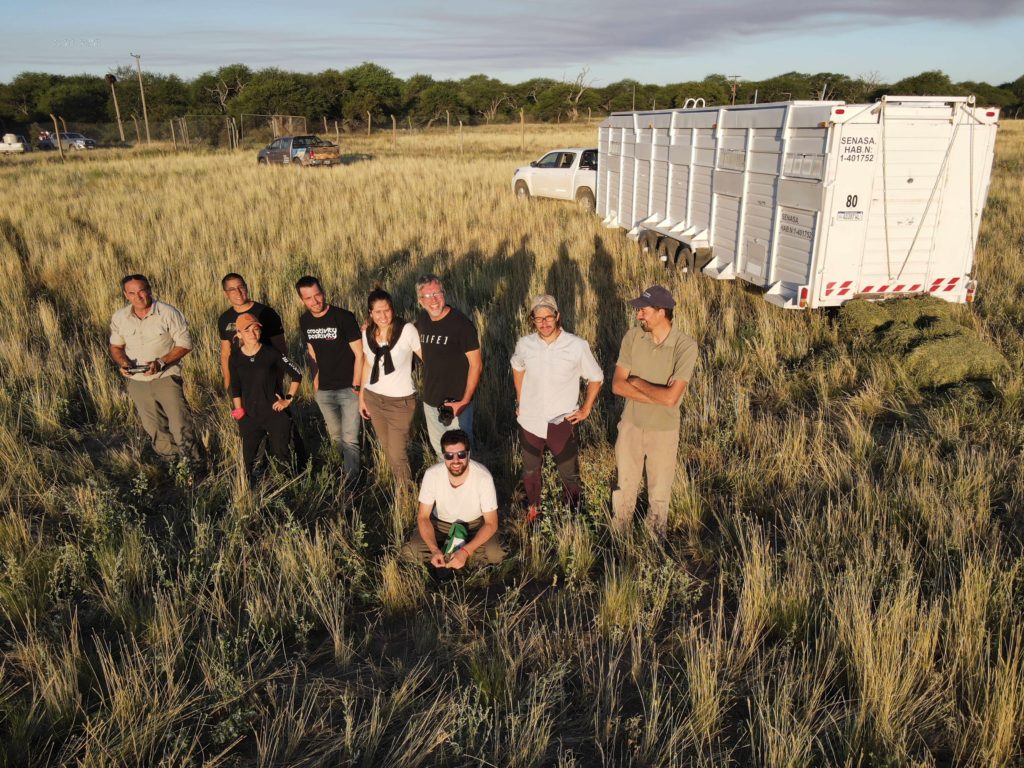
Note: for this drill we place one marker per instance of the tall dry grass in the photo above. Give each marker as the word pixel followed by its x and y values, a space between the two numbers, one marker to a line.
pixel 842 585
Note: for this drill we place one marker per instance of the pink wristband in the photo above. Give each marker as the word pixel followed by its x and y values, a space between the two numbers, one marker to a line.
pixel 238 413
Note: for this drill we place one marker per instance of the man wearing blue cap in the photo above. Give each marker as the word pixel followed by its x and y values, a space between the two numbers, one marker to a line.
pixel 654 368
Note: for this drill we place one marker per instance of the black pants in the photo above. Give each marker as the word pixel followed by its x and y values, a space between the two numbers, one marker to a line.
pixel 561 441
pixel 276 427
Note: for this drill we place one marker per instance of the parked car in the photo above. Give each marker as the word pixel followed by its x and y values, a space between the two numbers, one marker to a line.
pixel 13 143
pixel 300 150
pixel 564 174
pixel 68 140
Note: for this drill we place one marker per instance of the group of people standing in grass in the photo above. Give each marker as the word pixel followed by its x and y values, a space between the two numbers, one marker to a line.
pixel 364 373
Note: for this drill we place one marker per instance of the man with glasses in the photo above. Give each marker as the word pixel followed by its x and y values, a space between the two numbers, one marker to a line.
pixel 148 339
pixel 547 366
pixel 654 368
pixel 456 490
pixel 452 362
pixel 237 293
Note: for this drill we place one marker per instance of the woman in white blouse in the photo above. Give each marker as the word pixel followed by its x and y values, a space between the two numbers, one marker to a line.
pixel 388 396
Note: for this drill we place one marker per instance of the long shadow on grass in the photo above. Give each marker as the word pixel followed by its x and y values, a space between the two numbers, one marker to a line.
pixel 565 280
pixel 611 320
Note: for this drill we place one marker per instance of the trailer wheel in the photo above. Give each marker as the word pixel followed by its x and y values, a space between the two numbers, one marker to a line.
pixel 685 258
pixel 668 250
pixel 585 200
pixel 522 191
pixel 648 243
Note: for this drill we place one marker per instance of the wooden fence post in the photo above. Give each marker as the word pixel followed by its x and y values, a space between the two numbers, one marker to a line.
pixel 138 136
pixel 337 134
pixel 394 132
pixel 325 123
pixel 173 139
pixel 462 140
pixel 447 121
pixel 56 132
pixel 369 122
pixel 522 127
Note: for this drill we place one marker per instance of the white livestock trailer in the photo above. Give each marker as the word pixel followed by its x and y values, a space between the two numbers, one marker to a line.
pixel 815 202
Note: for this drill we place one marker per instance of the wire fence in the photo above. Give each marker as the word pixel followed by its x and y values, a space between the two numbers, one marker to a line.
pixel 250 131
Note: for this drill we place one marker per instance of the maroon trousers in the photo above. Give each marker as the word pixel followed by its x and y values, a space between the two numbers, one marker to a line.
pixel 561 441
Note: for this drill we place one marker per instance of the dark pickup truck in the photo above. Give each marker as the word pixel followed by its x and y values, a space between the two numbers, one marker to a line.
pixel 300 150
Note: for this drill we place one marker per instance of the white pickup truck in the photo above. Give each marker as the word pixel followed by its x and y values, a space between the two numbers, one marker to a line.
pixel 14 144
pixel 564 174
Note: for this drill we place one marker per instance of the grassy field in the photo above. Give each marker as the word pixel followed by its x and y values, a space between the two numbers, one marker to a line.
pixel 843 582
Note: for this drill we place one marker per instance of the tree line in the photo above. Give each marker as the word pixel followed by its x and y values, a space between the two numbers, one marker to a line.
pixel 349 96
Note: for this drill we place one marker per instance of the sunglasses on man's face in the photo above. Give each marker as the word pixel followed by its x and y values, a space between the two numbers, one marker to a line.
pixel 450 456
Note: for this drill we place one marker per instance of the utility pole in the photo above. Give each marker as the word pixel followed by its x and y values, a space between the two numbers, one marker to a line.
pixel 734 79
pixel 117 110
pixel 142 91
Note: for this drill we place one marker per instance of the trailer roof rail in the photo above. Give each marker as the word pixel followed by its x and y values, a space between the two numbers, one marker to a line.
pixel 929 99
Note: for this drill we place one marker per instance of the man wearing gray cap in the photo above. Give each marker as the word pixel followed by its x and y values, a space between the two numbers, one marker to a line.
pixel 547 367
pixel 654 368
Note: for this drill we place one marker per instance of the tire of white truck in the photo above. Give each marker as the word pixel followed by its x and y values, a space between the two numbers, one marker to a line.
pixel 585 200
pixel 522 191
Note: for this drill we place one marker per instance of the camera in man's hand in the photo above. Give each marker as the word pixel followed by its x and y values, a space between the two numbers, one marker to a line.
pixel 445 413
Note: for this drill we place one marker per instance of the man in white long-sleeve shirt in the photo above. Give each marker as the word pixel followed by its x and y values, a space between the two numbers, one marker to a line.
pixel 547 367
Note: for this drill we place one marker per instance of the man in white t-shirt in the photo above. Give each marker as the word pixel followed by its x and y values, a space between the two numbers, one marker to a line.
pixel 456 490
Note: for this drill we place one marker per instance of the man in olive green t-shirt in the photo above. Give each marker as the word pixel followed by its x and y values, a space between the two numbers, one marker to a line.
pixel 654 367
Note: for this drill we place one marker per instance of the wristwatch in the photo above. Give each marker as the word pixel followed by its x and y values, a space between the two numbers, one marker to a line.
pixel 357 388
pixel 289 396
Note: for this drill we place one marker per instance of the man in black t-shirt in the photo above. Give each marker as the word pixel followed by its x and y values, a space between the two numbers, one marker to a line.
pixel 335 348
pixel 238 295
pixel 452 362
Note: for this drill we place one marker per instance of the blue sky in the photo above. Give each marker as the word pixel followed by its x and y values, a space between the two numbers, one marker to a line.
pixel 656 41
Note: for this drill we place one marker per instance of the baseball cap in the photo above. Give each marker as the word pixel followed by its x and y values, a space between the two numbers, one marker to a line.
pixel 246 321
pixel 544 300
pixel 655 296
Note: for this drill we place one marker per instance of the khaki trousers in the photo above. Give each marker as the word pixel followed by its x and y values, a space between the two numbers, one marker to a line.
pixel 634 448
pixel 392 419
pixel 165 416
pixel 491 553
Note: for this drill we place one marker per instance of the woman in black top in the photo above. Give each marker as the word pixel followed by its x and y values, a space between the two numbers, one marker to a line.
pixel 257 373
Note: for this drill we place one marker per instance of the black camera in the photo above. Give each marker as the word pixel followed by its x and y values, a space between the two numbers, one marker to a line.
pixel 445 413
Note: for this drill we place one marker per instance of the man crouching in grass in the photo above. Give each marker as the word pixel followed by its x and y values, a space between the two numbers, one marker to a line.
pixel 456 490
